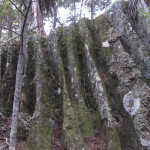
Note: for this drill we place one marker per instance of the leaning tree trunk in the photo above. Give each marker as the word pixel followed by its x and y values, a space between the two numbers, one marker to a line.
pixel 18 84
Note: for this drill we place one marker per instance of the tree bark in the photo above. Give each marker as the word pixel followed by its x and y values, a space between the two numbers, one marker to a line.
pixel 0 32
pixel 17 94
pixel 0 55
pixel 92 11
pixel 0 66
pixel 55 17
pixel 16 102
pixel 38 18
pixel 74 3
pixel 39 58
pixel 147 2
pixel 10 33
pixel 81 9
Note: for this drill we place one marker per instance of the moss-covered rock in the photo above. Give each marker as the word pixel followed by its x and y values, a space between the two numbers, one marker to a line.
pixel 113 139
pixel 91 77
pixel 71 130
pixel 40 136
pixel 9 60
pixel 28 89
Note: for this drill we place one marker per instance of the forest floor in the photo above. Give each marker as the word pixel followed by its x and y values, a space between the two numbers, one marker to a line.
pixel 5 123
pixel 95 142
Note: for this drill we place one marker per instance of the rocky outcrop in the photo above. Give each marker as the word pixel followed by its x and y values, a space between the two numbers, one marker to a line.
pixel 87 79
pixel 8 57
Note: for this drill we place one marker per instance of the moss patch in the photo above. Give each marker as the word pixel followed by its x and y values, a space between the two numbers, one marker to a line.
pixel 40 137
pixel 8 77
pixel 28 89
pixel 112 138
pixel 86 125
pixel 72 135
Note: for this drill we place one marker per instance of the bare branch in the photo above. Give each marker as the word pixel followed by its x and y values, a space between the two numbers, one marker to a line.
pixel 10 30
pixel 24 4
pixel 2 115
pixel 26 124
pixel 61 24
pixel 8 40
pixel 6 140
pixel 16 7
pixel 35 27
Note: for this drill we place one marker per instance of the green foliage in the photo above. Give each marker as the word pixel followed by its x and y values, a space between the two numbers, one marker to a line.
pixel 6 5
pixel 139 9
pixel 9 17
pixel 145 15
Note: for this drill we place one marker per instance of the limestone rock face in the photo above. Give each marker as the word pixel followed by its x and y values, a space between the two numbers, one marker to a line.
pixel 134 34
pixel 91 77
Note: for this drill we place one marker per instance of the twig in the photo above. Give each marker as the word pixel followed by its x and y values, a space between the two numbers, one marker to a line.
pixel 35 27
pixel 26 124
pixel 6 140
pixel 2 115
pixel 61 24
pixel 17 7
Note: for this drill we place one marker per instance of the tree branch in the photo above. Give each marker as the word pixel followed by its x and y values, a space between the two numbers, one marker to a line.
pixel 26 15
pixel 2 115
pixel 8 40
pixel 6 140
pixel 10 30
pixel 24 4
pixel 16 7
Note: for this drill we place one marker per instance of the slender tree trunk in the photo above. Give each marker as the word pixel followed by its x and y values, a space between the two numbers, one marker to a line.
pixel 17 94
pixel 38 18
pixel 0 56
pixel 10 33
pixel 55 17
pixel 81 9
pixel 39 61
pixel 92 11
pixel 0 32
pixel 0 66
pixel 74 11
